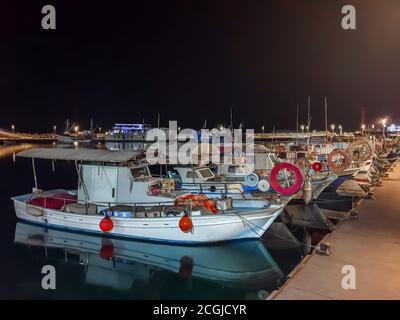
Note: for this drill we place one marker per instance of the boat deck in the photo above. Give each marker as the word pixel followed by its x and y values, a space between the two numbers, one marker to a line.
pixel 371 244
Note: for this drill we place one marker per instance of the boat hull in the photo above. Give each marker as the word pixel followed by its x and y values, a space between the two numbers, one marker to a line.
pixel 206 229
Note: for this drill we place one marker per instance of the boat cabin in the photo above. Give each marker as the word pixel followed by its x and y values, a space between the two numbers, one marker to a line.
pixel 109 177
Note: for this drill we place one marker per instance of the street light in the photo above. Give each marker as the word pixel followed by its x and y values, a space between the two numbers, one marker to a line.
pixel 12 128
pixel 372 126
pixel 54 129
pixel 340 127
pixel 307 128
pixel 262 129
pixel 333 128
pixel 302 128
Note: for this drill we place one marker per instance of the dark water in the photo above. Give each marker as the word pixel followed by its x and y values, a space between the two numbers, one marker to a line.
pixel 92 267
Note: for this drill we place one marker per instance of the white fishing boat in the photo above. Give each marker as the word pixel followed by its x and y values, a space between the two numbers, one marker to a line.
pixel 116 195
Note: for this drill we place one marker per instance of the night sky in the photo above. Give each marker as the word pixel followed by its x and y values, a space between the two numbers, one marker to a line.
pixel 193 60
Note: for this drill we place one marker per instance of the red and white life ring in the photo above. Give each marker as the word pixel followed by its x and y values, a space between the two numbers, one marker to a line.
pixel 317 166
pixel 339 160
pixel 286 178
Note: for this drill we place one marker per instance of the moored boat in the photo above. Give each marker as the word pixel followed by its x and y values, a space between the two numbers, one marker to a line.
pixel 119 197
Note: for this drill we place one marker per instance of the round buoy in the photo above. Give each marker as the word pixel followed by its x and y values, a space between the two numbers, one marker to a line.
pixel 286 178
pixel 106 224
pixel 213 188
pixel 317 166
pixel 263 185
pixel 185 224
pixel 251 180
pixel 338 160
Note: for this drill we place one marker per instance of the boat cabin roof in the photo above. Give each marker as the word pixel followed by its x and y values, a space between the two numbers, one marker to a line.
pixel 89 155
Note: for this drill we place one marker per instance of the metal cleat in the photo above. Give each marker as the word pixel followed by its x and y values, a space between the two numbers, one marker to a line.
pixel 324 248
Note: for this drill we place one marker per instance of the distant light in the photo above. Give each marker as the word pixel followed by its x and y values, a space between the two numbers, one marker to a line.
pixel 302 127
pixel 373 126
pixel 75 143
pixel 340 127
pixel 76 129
pixel 12 127
pixel 363 126
pixel 383 121
pixel 332 127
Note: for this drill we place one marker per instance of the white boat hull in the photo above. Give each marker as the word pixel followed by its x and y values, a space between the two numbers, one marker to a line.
pixel 206 229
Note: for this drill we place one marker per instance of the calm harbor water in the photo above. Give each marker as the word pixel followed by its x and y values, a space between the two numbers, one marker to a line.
pixel 92 267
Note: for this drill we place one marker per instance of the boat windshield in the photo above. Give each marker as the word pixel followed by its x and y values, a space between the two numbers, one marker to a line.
pixel 205 173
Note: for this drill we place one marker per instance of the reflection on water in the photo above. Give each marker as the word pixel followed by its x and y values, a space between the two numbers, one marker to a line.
pixel 245 267
pixel 8 150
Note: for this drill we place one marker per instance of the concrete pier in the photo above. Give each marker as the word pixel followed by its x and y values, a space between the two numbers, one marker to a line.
pixel 371 244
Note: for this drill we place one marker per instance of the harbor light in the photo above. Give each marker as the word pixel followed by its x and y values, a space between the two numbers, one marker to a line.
pixel 373 126
pixel 12 128
pixel 333 128
pixel 76 129
pixel 262 129
pixel 384 121
pixel 302 128
pixel 54 128
pixel 340 127
pixel 307 128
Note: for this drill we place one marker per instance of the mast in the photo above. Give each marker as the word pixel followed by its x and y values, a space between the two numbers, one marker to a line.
pixel 66 126
pixel 91 125
pixel 231 119
pixel 326 117
pixel 309 111
pixel 309 120
pixel 297 119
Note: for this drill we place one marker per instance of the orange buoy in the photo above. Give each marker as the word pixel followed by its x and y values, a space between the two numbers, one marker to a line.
pixel 317 166
pixel 185 224
pixel 106 224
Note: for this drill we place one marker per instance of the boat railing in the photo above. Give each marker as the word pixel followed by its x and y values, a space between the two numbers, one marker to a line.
pixel 109 204
pixel 207 187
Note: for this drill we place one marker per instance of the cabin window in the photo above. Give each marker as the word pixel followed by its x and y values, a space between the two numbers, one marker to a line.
pixel 206 173
pixel 139 172
pixel 232 169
